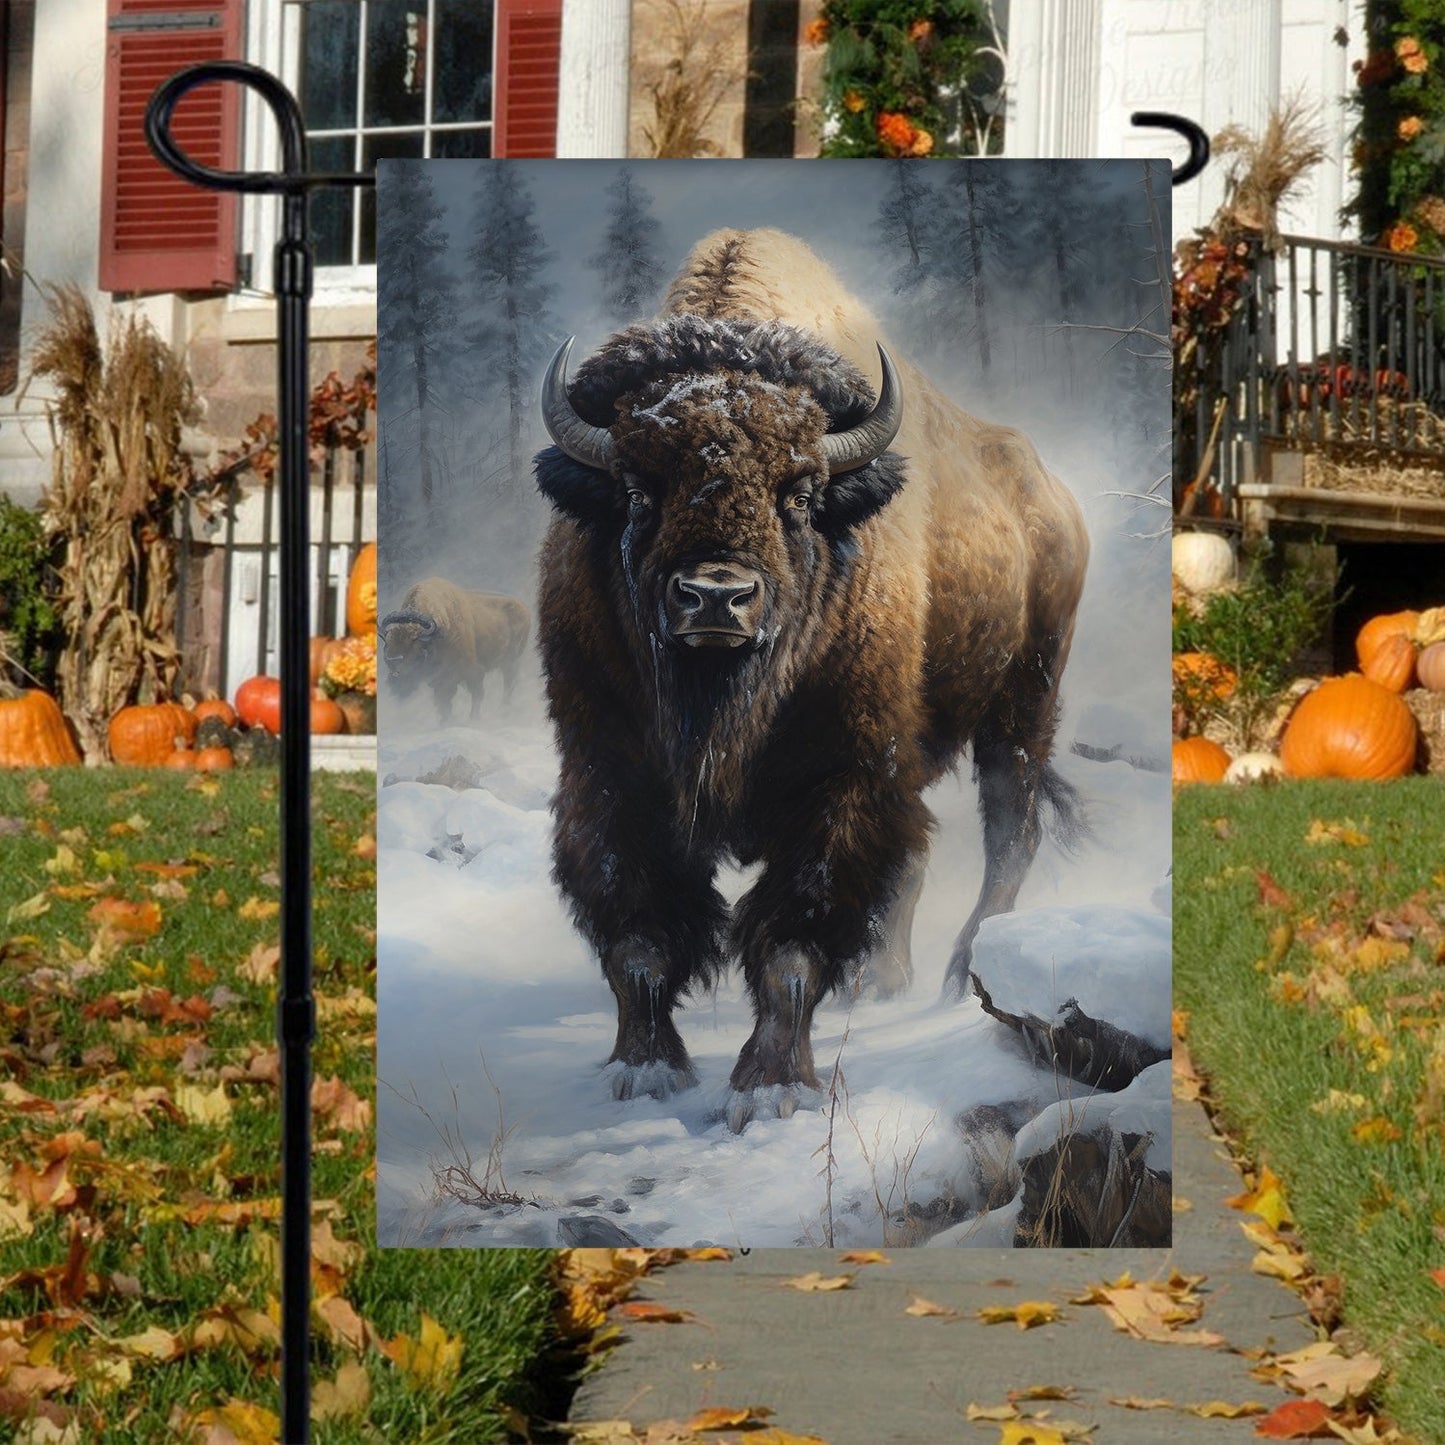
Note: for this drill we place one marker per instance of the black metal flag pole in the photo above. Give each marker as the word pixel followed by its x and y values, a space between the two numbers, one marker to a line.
pixel 296 1008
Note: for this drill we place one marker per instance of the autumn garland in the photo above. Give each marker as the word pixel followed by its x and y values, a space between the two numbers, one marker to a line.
pixel 1399 150
pixel 890 67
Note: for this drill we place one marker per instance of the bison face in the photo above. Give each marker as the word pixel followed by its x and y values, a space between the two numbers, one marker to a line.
pixel 408 641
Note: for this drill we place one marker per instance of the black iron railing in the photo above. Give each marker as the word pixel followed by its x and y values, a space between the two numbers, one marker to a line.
pixel 228 573
pixel 1333 348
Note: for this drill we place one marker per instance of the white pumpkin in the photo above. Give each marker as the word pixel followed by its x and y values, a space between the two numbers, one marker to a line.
pixel 1253 768
pixel 1203 561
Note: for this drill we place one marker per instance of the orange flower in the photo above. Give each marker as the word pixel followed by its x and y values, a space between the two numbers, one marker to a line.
pixel 1416 64
pixel 853 102
pixel 919 30
pixel 1408 46
pixel 1402 237
pixel 922 143
pixel 895 131
pixel 1410 127
pixel 816 32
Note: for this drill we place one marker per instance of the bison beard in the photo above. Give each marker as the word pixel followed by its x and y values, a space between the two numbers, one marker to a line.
pixel 743 660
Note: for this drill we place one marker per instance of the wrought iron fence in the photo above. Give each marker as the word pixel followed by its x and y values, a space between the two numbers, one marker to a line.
pixel 1333 348
pixel 228 551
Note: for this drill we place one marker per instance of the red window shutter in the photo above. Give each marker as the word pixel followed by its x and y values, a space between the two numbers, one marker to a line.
pixel 529 54
pixel 158 232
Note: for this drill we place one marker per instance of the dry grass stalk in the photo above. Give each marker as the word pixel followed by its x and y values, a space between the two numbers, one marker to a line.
pixel 115 421
pixel 1265 170
pixel 687 87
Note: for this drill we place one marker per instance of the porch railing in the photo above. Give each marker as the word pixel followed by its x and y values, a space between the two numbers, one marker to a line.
pixel 228 550
pixel 1333 348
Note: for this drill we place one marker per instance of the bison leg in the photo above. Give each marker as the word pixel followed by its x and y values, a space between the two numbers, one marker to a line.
pixel 475 689
pixel 649 1048
pixel 888 970
pixel 1014 783
pixel 442 694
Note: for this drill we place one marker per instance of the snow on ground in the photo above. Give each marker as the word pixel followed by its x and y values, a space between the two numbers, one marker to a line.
pixel 495 1020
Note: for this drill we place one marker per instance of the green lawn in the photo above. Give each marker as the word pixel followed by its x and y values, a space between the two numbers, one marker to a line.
pixel 1309 952
pixel 139 1133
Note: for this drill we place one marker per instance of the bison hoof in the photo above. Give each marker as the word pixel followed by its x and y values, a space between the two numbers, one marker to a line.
pixel 769 1101
pixel 657 1079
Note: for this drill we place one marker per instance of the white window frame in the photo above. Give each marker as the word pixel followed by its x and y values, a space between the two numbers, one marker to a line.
pixel 273 41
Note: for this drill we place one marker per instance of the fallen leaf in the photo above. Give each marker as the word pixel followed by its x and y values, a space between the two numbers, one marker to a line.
pixel 1221 1410
pixel 1345 832
pixel 434 1359
pixel 864 1256
pixel 1026 1315
pixel 1030 1432
pixel 1271 895
pixel 926 1309
pixel 1139 1402
pixel 235 1423
pixel 774 1436
pixel 203 1106
pixel 258 909
pixel 1378 1130
pixel 347 1395
pixel 990 1412
pixel 1266 1199
pixel 129 922
pixel 649 1312
pixel 708 1252
pixel 1296 1420
pixel 1329 1376
pixel 33 907
pixel 813 1281
pixel 331 1099
pixel 1152 1311
pixel 721 1418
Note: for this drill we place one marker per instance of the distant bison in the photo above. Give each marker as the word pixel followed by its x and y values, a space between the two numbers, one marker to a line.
pixel 450 638
pixel 764 634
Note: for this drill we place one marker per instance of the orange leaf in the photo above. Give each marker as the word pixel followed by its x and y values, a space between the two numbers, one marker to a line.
pixel 720 1418
pixel 1271 895
pixel 1025 1315
pixel 864 1256
pixel 129 922
pixel 1266 1199
pixel 1297 1420
pixel 649 1312
pixel 1438 1275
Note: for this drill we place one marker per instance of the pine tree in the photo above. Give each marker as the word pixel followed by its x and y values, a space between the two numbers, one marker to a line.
pixel 627 259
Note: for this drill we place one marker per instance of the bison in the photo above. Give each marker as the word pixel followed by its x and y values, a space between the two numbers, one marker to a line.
pixel 765 633
pixel 451 638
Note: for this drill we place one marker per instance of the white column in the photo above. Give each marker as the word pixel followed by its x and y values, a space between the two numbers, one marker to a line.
pixel 1252 88
pixel 592 107
pixel 1053 67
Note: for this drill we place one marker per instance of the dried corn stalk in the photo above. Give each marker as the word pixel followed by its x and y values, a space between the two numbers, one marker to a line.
pixel 115 421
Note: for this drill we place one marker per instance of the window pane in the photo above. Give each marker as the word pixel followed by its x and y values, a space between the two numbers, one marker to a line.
pixel 462 65
pixel 331 206
pixel 329 34
pixel 381 148
pixel 395 62
pixel 462 145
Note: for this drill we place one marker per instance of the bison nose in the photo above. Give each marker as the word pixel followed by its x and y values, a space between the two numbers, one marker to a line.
pixel 715 605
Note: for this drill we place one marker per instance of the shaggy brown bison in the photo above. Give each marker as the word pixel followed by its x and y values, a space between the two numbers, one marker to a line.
pixel 765 633
pixel 451 638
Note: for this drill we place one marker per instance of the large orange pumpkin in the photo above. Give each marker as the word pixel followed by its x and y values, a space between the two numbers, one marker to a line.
pixel 1350 727
pixel 361 592
pixel 1386 650
pixel 216 707
pixel 1199 760
pixel 34 733
pixel 258 703
pixel 145 735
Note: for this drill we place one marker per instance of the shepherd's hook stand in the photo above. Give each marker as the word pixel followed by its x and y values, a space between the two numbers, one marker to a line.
pixel 296 1007
pixel 1192 131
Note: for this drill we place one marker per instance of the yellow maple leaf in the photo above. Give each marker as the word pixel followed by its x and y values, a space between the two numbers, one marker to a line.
pixel 1025 1315
pixel 258 909
pixel 1030 1432
pixel 1266 1199
pixel 435 1359
pixel 203 1106
pixel 1378 1130
pixel 1222 1410
pixel 235 1423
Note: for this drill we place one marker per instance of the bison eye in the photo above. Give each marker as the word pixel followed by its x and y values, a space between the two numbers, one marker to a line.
pixel 638 500
pixel 800 501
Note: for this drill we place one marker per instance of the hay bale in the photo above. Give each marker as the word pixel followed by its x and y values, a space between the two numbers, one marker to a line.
pixel 1429 710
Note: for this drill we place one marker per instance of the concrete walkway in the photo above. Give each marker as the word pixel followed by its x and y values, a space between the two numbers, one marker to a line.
pixel 852 1368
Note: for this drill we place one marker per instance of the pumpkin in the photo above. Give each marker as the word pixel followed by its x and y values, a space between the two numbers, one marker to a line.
pixel 1253 768
pixel 258 703
pixel 216 707
pixel 1202 561
pixel 361 592
pixel 1350 727
pixel 145 734
pixel 1385 648
pixel 1430 667
pixel 34 733
pixel 1199 760
pixel 1196 673
pixel 182 758
pixel 214 760
pixel 326 716
pixel 323 649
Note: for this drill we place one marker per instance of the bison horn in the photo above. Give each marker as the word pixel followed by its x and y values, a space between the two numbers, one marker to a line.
pixel 427 624
pixel 583 442
pixel 846 451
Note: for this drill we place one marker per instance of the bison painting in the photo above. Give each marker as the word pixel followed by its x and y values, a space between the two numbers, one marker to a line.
pixel 776 604
pixel 450 638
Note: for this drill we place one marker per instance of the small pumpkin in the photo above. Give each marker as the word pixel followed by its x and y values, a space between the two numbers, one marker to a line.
pixel 1350 727
pixel 1386 649
pixel 182 759
pixel 361 592
pixel 1199 760
pixel 1197 674
pixel 1202 561
pixel 1254 768
pixel 1430 667
pixel 33 732
pixel 326 716
pixel 145 734
pixel 258 703
pixel 216 707
pixel 214 760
